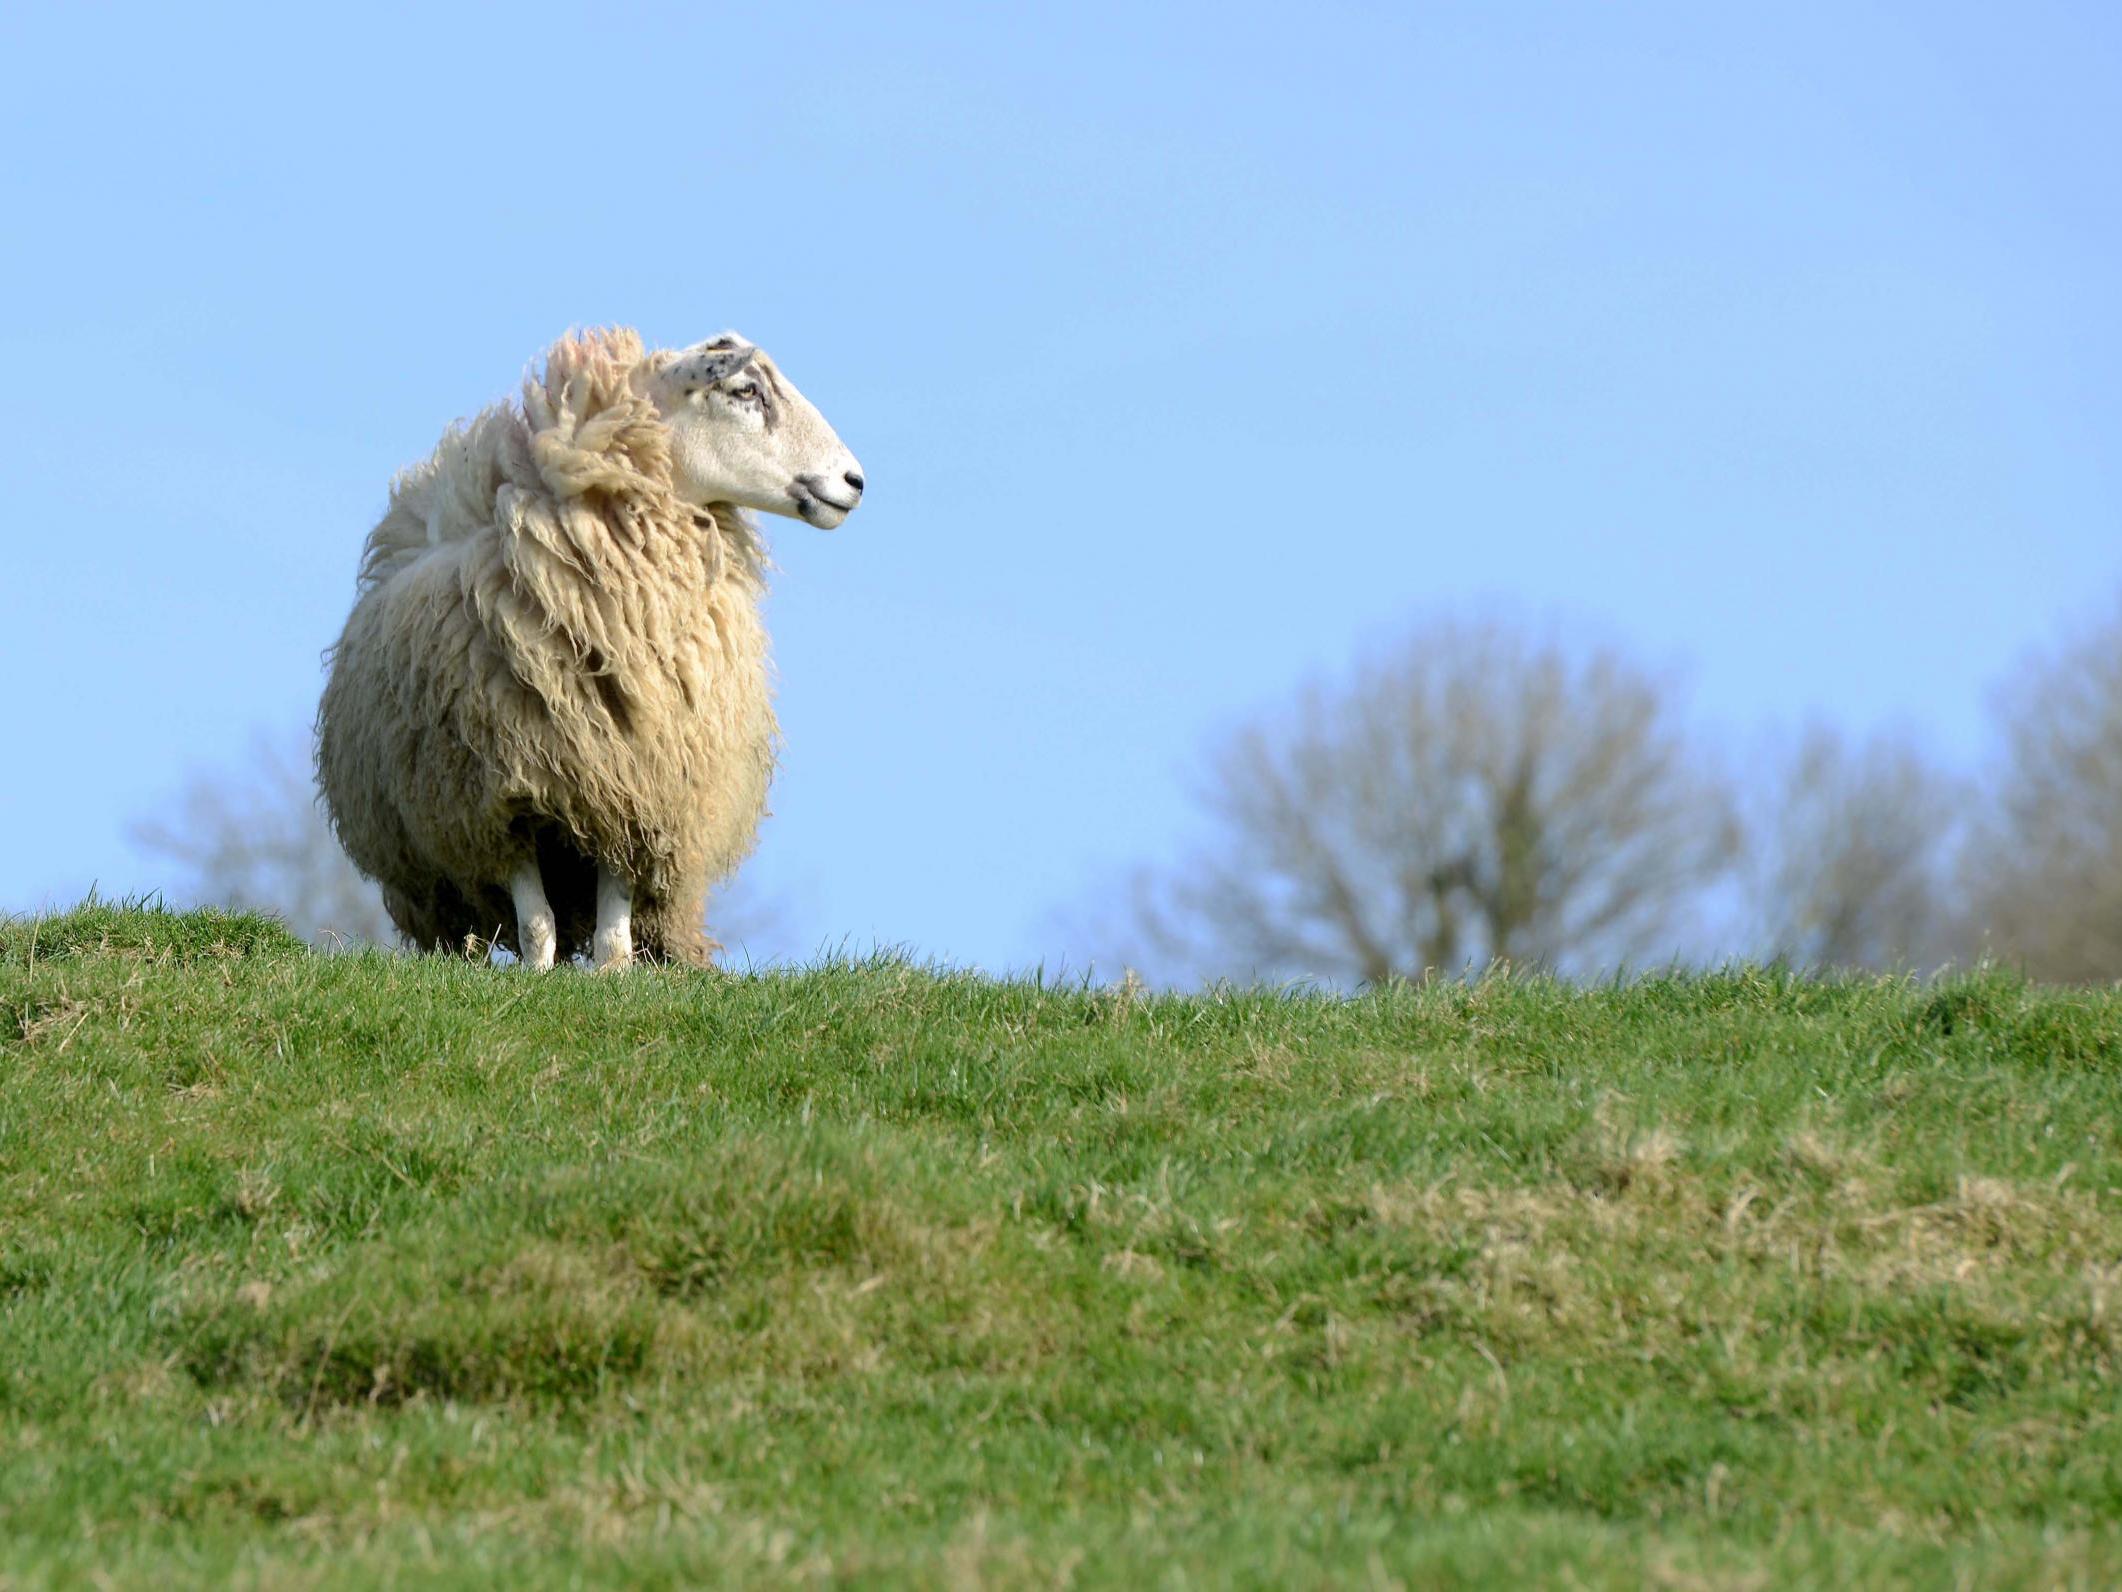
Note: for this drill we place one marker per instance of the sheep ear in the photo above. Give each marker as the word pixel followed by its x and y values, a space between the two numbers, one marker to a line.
pixel 705 366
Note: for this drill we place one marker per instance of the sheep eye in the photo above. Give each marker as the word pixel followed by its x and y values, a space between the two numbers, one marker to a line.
pixel 746 393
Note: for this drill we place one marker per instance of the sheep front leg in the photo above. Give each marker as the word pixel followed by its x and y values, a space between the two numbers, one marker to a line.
pixel 613 947
pixel 536 933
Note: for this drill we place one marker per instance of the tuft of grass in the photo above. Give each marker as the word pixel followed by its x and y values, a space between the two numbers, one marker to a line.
pixel 145 929
pixel 361 1268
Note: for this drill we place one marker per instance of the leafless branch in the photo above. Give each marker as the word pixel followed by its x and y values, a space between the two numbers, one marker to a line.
pixel 1854 846
pixel 1476 795
pixel 256 838
pixel 2045 870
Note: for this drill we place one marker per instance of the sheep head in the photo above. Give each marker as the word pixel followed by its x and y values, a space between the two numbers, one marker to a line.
pixel 742 434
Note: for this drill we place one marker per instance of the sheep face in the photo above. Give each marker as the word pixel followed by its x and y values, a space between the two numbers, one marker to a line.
pixel 742 434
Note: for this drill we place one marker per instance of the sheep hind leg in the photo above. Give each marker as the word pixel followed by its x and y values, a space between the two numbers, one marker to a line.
pixel 536 932
pixel 613 947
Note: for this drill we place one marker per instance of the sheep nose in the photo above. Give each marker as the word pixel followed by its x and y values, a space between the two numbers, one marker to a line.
pixel 854 479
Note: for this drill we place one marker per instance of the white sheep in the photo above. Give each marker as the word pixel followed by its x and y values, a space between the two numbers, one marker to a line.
pixel 549 718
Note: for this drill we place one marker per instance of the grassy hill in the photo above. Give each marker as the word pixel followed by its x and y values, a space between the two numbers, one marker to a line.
pixel 335 1269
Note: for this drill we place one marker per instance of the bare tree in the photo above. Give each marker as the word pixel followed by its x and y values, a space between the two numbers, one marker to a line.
pixel 1853 847
pixel 257 838
pixel 1477 794
pixel 2045 870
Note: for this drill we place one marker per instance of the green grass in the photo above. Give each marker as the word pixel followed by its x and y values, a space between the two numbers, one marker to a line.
pixel 338 1269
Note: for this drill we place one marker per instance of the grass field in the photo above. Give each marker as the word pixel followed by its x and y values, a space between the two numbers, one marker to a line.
pixel 332 1270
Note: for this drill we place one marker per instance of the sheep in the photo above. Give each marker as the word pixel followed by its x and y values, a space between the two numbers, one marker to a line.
pixel 549 720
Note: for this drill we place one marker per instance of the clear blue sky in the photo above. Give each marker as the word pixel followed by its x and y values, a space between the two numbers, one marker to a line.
pixel 1187 348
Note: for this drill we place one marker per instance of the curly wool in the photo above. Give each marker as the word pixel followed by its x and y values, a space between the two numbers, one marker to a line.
pixel 552 655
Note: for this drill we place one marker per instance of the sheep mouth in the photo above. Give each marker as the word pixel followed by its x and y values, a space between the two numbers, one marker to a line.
pixel 811 504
